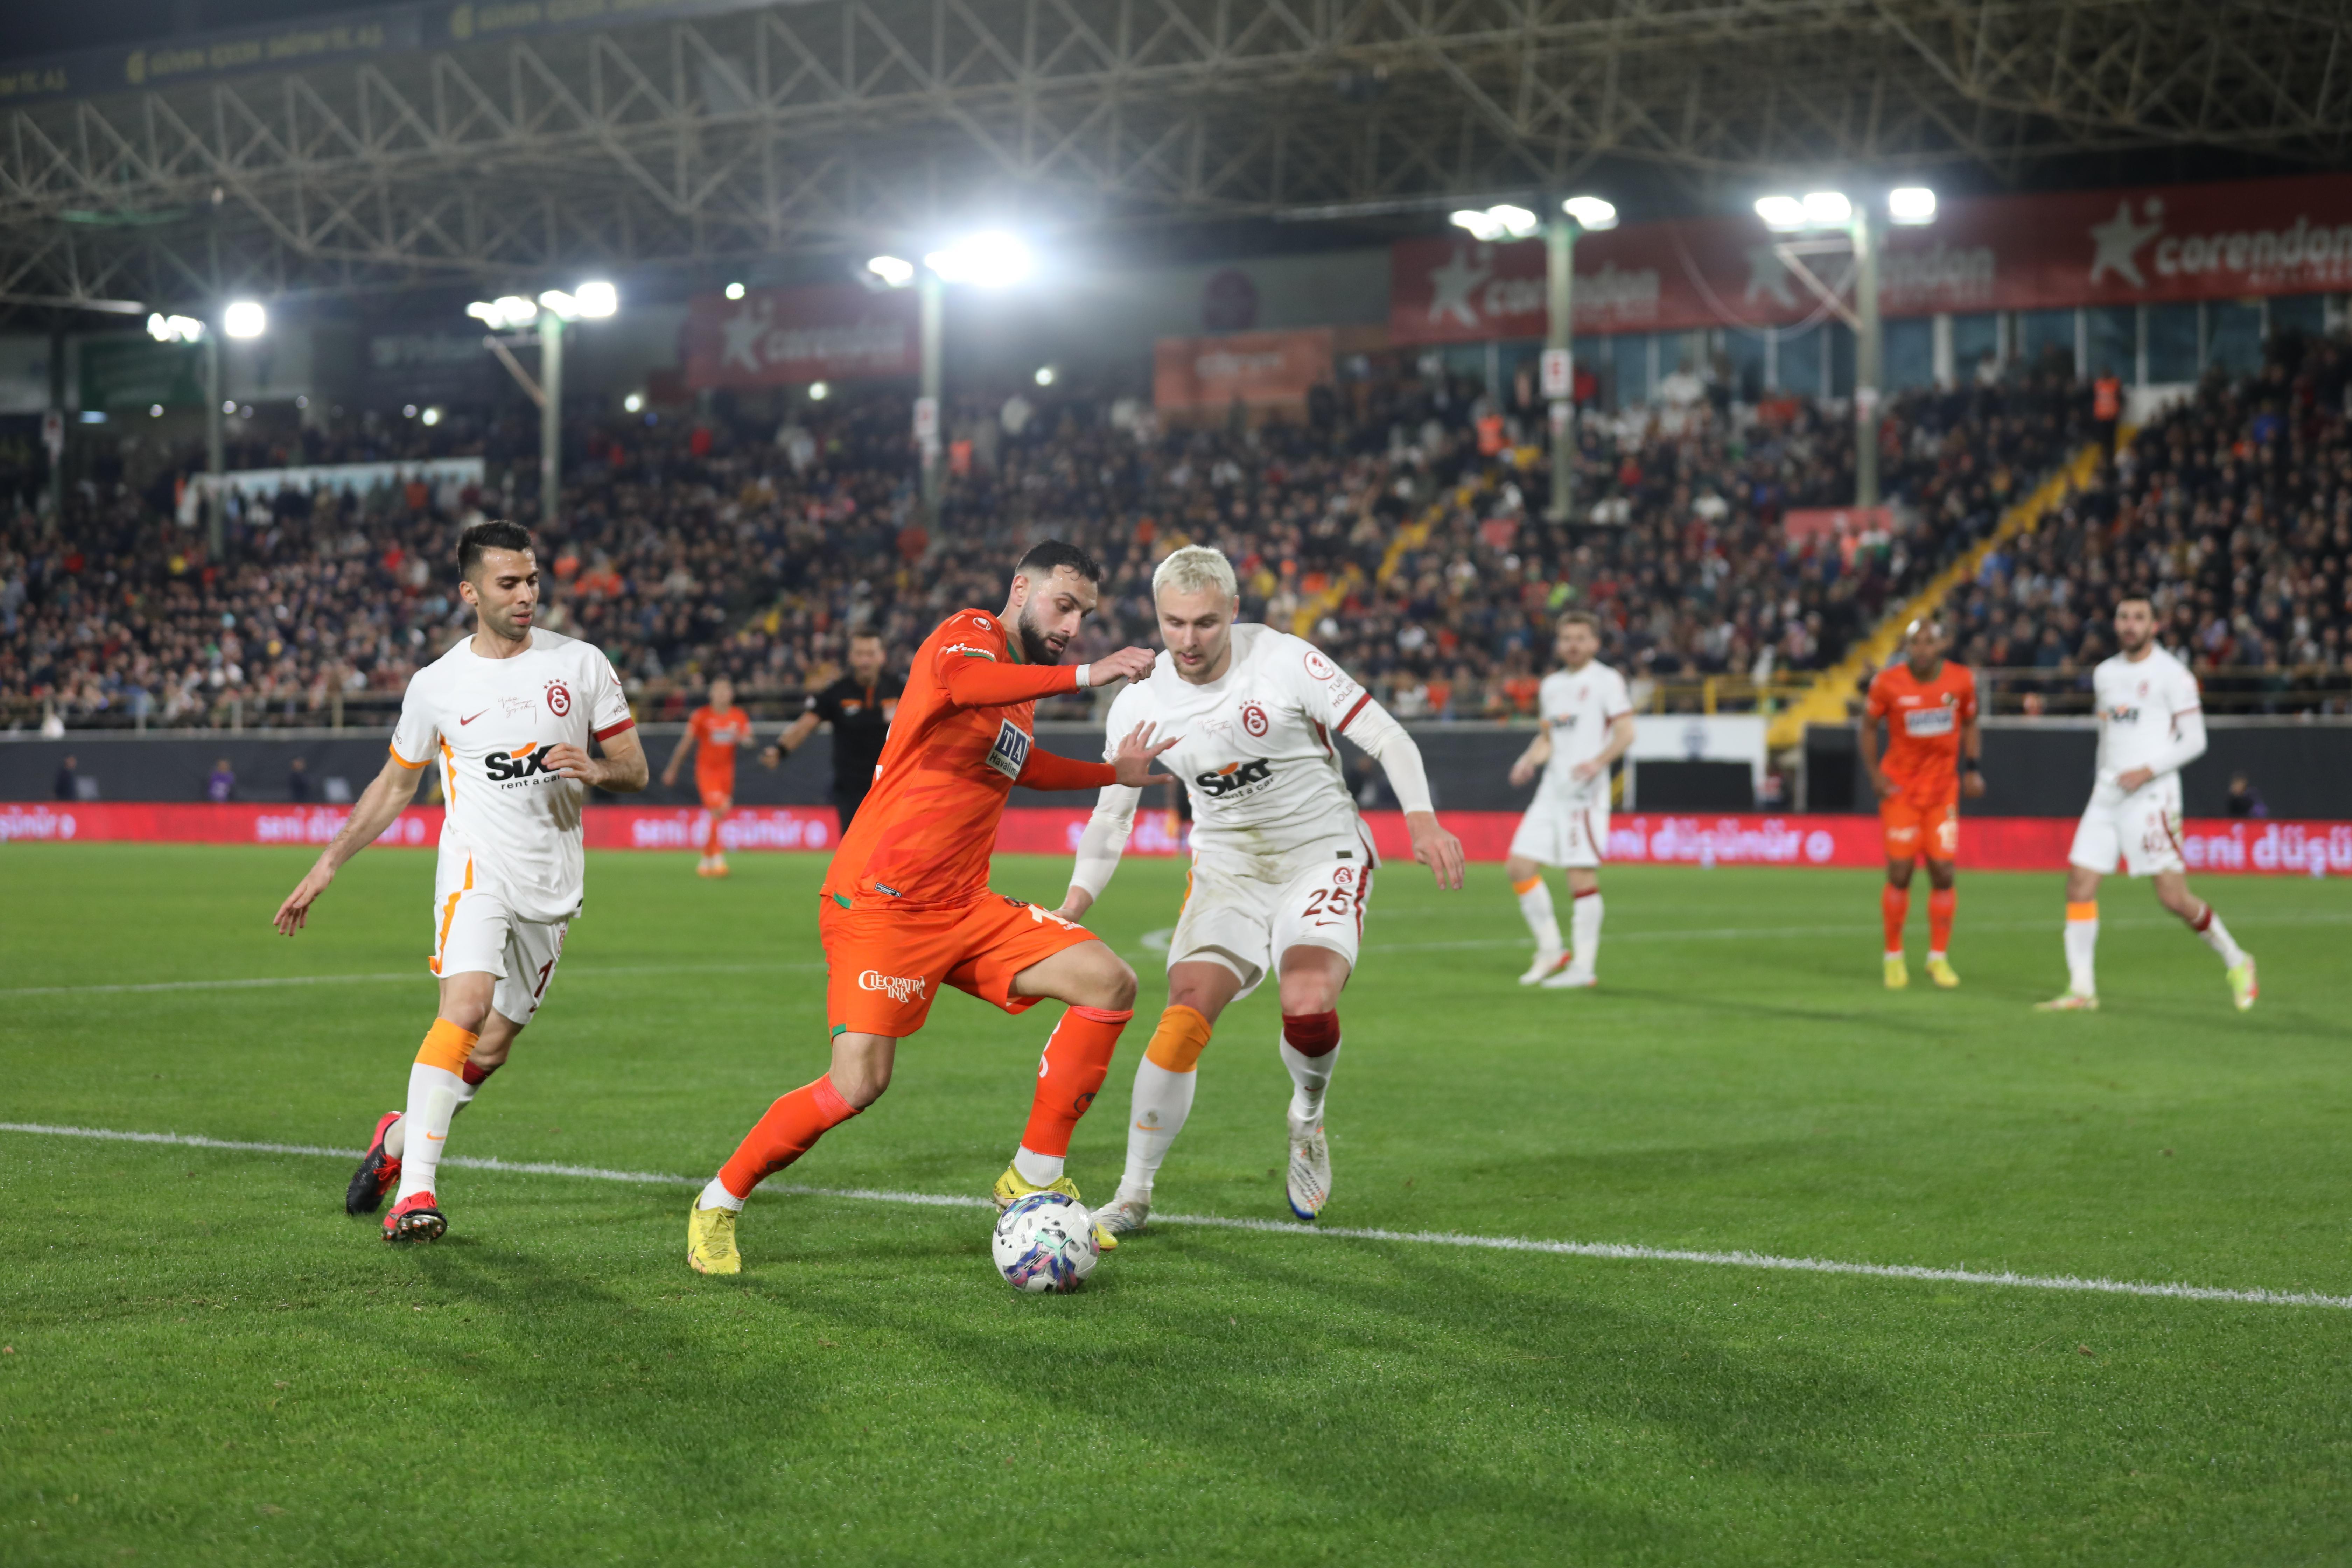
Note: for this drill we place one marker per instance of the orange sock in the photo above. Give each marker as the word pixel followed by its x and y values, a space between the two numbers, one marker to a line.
pixel 1895 903
pixel 789 1131
pixel 1940 905
pixel 1077 1056
pixel 446 1047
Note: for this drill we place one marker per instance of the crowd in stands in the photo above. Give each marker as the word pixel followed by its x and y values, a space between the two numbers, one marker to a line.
pixel 2232 512
pixel 1400 524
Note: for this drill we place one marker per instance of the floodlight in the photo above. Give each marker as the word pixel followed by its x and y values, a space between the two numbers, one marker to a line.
pixel 1504 222
pixel 1591 212
pixel 245 319
pixel 431 417
pixel 159 329
pixel 408 411
pixel 734 290
pixel 1045 375
pixel 1911 204
pixel 819 391
pixel 562 305
pixel 597 300
pixel 896 271
pixel 155 411
pixel 990 260
pixel 1826 209
pixel 175 329
pixel 1780 214
pixel 634 403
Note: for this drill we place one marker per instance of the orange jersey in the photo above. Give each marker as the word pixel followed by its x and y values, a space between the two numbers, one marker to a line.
pixel 962 736
pixel 717 735
pixel 1924 719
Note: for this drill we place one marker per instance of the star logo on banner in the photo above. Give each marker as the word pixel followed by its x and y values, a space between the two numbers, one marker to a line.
pixel 2118 241
pixel 1450 286
pixel 743 330
pixel 1767 274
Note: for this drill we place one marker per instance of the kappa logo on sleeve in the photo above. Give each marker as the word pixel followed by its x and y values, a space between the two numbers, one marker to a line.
pixel 1010 754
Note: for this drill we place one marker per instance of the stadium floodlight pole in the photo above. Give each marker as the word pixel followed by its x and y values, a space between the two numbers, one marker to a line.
pixel 990 260
pixel 1576 215
pixel 216 452
pixel 1868 344
pixel 557 310
pixel 932 294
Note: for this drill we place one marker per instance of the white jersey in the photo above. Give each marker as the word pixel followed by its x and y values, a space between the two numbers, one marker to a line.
pixel 1256 751
pixel 491 722
pixel 2141 705
pixel 1577 709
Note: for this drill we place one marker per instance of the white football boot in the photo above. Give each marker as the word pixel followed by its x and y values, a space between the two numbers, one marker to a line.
pixel 1123 1215
pixel 1548 961
pixel 1575 977
pixel 1308 1185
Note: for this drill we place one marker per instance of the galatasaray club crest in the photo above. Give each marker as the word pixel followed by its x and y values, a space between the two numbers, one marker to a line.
pixel 559 699
pixel 1254 718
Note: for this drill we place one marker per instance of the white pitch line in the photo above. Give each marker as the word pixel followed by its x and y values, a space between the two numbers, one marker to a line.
pixel 1612 1251
pixel 267 982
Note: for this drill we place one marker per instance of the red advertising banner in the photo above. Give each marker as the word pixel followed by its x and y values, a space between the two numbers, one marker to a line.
pixel 1803 523
pixel 786 337
pixel 2131 247
pixel 1637 838
pixel 1258 368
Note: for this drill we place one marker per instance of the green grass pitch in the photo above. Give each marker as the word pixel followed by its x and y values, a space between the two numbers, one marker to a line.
pixel 205 1361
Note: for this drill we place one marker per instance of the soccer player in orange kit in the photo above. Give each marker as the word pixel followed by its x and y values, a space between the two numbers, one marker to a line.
pixel 1930 707
pixel 905 906
pixel 716 730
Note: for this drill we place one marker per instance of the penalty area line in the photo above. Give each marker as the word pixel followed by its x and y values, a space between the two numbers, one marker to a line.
pixel 1612 1251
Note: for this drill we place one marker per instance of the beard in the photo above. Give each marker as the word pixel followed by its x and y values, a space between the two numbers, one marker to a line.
pixel 1034 646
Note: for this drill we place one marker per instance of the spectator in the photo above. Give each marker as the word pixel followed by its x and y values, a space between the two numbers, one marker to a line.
pixel 222 784
pixel 298 780
pixel 68 783
pixel 2244 799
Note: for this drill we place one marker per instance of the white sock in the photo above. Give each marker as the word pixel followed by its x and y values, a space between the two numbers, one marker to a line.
pixel 1162 1100
pixel 716 1197
pixel 1309 1077
pixel 433 1094
pixel 2216 936
pixel 1584 918
pixel 1037 1170
pixel 2081 944
pixel 396 1137
pixel 1535 908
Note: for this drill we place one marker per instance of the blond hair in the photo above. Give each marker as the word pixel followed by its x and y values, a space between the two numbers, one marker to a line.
pixel 1193 568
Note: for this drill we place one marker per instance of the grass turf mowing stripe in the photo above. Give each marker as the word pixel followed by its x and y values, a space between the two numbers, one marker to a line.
pixel 1621 1251
pixel 275 980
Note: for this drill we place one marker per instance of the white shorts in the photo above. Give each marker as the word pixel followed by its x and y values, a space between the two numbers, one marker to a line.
pixel 1247 922
pixel 2142 829
pixel 473 933
pixel 1563 833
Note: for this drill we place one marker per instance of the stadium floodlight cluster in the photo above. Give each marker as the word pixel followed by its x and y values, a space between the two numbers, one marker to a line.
pixel 1506 220
pixel 992 258
pixel 1909 205
pixel 593 300
pixel 175 329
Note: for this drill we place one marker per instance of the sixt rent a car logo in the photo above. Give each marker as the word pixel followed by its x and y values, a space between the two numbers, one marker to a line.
pixel 900 988
pixel 2121 714
pixel 1234 776
pixel 522 763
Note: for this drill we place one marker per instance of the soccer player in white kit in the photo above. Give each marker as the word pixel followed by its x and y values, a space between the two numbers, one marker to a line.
pixel 2151 725
pixel 1587 719
pixel 1282 865
pixel 510 712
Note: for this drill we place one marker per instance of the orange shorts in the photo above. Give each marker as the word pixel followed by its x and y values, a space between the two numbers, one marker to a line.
pixel 1914 828
pixel 718 794
pixel 884 965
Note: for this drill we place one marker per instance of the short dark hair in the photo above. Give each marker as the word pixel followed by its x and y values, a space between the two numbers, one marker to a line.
pixel 1048 556
pixel 483 537
pixel 864 632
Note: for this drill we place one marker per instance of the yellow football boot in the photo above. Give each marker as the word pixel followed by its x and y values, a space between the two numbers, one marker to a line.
pixel 1898 973
pixel 710 1241
pixel 2242 988
pixel 1012 1187
pixel 1940 971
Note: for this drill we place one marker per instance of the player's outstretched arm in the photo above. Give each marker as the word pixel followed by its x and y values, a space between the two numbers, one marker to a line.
pixel 621 769
pixel 971 683
pixel 794 737
pixel 1099 848
pixel 684 743
pixel 1389 744
pixel 379 805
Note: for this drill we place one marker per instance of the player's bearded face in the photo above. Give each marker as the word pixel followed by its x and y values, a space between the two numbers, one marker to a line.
pixel 1050 616
pixel 2135 625
pixel 504 591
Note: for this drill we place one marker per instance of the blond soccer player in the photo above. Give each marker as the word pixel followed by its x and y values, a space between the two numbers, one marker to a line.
pixel 508 714
pixel 1282 864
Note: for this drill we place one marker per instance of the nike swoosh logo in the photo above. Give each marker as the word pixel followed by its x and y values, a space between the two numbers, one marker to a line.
pixel 471 718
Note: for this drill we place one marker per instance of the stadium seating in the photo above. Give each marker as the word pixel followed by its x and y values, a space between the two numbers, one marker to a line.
pixel 1391 526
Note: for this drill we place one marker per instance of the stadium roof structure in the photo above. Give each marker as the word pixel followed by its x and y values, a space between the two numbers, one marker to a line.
pixel 475 142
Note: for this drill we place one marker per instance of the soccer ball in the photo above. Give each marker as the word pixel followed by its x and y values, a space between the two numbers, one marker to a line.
pixel 1046 1242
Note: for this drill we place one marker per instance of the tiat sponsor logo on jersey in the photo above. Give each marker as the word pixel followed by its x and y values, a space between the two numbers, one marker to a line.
pixel 1233 778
